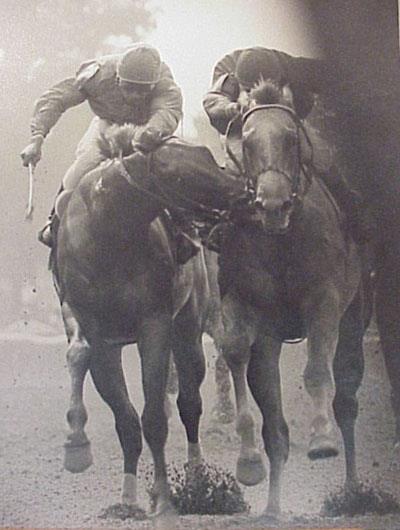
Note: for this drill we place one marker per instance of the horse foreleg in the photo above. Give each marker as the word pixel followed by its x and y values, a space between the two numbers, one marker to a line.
pixel 154 344
pixel 108 377
pixel 264 380
pixel 223 410
pixel 189 360
pixel 172 388
pixel 348 371
pixel 77 456
pixel 236 344
pixel 323 331
pixel 388 320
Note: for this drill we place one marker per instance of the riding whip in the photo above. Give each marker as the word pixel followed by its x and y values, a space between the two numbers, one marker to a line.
pixel 29 208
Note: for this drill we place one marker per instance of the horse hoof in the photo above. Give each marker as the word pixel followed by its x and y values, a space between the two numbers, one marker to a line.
pixel 271 516
pixel 322 446
pixel 124 511
pixel 250 471
pixel 77 458
pixel 352 486
pixel 165 517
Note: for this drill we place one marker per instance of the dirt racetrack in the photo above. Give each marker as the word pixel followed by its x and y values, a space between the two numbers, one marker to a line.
pixel 36 492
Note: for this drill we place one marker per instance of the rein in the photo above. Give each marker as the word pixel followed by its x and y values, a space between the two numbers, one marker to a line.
pixel 162 196
pixel 249 187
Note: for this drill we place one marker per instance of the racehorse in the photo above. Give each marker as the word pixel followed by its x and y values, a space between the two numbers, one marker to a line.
pixel 290 271
pixel 117 278
pixel 365 95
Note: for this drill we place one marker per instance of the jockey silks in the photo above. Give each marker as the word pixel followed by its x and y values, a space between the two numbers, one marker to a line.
pixel 96 82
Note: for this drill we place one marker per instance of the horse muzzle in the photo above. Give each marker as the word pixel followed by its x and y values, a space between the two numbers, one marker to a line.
pixel 275 219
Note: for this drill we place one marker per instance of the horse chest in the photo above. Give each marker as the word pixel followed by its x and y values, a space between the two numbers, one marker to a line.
pixel 268 270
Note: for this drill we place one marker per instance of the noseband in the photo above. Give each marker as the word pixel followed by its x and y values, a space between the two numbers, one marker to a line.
pixel 294 180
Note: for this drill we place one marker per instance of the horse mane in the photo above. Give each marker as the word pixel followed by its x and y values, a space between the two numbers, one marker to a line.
pixel 117 140
pixel 266 92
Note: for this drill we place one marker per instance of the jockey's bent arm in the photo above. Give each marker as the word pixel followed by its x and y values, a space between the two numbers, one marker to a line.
pixel 218 101
pixel 52 104
pixel 166 105
pixel 225 90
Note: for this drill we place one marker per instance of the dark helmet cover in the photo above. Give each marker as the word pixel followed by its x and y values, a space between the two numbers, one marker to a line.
pixel 140 64
pixel 256 64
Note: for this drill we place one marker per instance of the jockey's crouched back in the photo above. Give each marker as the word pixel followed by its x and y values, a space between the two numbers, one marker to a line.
pixel 135 87
pixel 240 70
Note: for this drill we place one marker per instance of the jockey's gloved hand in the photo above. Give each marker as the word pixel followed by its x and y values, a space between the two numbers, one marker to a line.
pixel 149 139
pixel 243 102
pixel 232 110
pixel 32 152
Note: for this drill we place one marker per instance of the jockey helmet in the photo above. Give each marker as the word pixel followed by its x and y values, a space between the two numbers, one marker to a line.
pixel 255 64
pixel 140 64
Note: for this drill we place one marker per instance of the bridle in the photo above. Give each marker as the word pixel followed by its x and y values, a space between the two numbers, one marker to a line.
pixel 301 168
pixel 163 197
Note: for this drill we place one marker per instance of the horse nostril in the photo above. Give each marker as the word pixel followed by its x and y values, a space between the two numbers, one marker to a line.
pixel 258 204
pixel 286 206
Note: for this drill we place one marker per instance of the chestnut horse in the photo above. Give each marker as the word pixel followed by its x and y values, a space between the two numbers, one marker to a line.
pixel 118 281
pixel 290 272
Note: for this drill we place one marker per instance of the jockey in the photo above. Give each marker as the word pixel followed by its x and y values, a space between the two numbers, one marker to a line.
pixel 135 87
pixel 240 70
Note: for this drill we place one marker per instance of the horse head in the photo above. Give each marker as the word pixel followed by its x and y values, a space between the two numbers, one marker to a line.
pixel 127 165
pixel 276 149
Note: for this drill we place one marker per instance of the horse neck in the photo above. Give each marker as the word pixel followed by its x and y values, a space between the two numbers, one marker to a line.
pixel 128 212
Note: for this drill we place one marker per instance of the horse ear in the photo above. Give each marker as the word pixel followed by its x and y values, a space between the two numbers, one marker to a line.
pixel 245 102
pixel 287 96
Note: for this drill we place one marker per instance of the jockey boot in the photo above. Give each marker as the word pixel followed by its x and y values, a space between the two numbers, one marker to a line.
pixel 186 246
pixel 44 235
pixel 359 221
pixel 48 233
pixel 214 236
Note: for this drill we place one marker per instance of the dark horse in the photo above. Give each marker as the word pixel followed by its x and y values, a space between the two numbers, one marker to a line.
pixel 361 43
pixel 118 282
pixel 292 271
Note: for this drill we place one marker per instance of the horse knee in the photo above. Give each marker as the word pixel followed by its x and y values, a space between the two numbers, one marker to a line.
pixel 235 349
pixel 317 375
pixel 78 359
pixel 222 375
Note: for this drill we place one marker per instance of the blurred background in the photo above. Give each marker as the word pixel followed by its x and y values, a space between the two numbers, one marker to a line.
pixel 44 41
